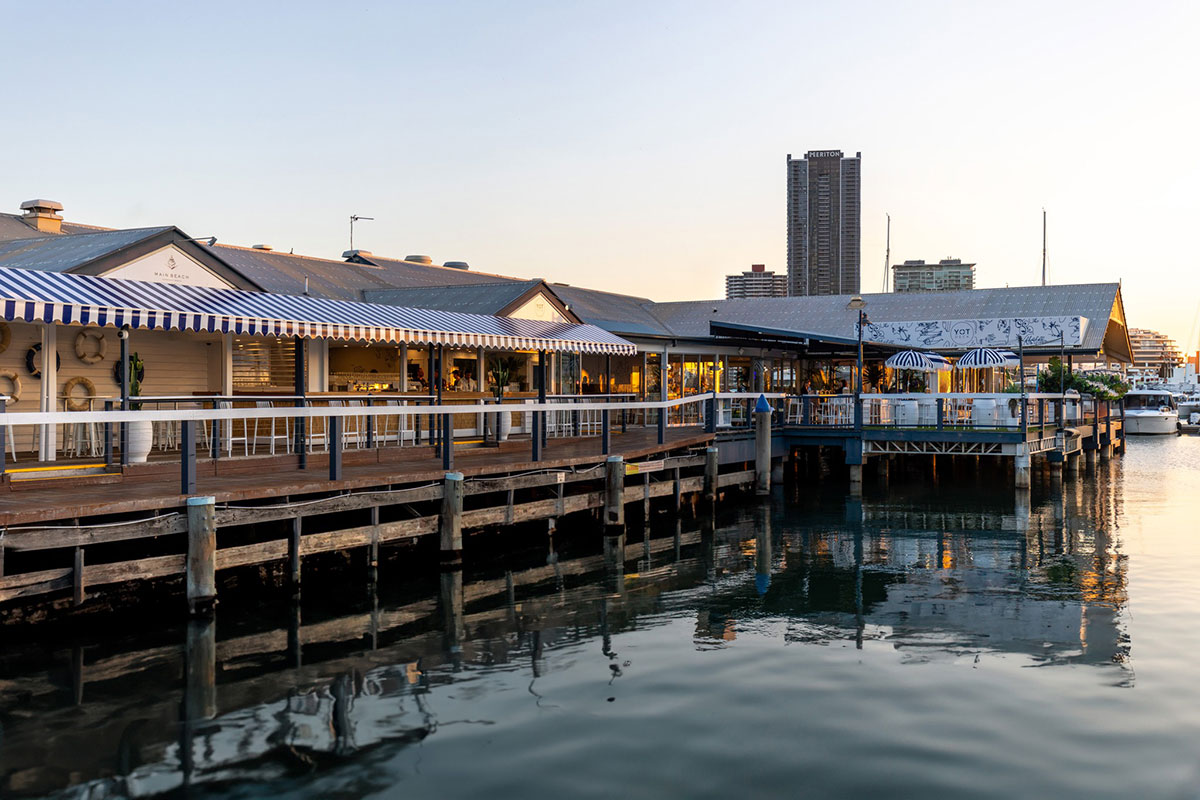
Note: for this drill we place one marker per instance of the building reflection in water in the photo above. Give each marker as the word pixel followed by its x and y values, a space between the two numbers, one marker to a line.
pixel 1041 577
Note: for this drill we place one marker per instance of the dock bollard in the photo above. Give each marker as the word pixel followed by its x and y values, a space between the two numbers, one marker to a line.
pixel 202 554
pixel 762 446
pixel 450 521
pixel 614 495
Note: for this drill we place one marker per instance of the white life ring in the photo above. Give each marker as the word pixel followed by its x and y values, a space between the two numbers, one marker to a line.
pixel 90 332
pixel 79 403
pixel 15 395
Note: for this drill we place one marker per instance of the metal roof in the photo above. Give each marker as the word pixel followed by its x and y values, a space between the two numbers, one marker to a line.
pixel 13 226
pixel 36 296
pixel 63 253
pixel 408 274
pixel 828 314
pixel 479 298
pixel 615 312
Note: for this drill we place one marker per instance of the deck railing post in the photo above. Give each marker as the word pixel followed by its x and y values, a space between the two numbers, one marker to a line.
pixel 858 414
pixel 3 438
pixel 108 437
pixel 806 410
pixel 1041 416
pixel 605 433
pixel 300 434
pixel 370 424
pixel 536 437
pixel 624 416
pixel 187 457
pixel 710 422
pixel 448 443
pixel 215 439
pixel 941 413
pixel 662 425
pixel 334 427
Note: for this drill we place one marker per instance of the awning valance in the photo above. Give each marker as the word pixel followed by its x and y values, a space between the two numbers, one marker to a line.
pixel 34 296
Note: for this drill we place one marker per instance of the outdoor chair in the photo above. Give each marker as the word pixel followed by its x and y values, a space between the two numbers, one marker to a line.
pixel 273 425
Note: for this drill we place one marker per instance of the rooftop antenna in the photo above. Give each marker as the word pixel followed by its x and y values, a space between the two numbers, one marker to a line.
pixel 887 256
pixel 1043 245
pixel 353 219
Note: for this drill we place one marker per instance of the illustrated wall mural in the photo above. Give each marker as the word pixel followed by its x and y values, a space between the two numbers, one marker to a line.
pixel 960 334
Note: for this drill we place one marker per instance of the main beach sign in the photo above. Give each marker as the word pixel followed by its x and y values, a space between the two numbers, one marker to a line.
pixel 964 334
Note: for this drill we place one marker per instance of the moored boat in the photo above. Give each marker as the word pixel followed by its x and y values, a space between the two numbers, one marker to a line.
pixel 1150 411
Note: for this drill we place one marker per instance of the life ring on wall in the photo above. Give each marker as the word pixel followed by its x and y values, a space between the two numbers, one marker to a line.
pixel 90 332
pixel 15 395
pixel 78 403
pixel 33 360
pixel 5 336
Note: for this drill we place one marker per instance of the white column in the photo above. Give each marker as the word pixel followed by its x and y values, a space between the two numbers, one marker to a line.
pixel 227 364
pixel 318 365
pixel 48 444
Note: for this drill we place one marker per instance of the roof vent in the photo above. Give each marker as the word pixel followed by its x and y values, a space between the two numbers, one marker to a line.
pixel 353 253
pixel 457 265
pixel 261 247
pixel 419 259
pixel 42 215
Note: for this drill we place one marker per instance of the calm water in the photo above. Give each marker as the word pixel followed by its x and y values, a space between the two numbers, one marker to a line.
pixel 928 641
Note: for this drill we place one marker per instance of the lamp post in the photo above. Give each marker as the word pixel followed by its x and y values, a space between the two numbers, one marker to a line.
pixel 858 304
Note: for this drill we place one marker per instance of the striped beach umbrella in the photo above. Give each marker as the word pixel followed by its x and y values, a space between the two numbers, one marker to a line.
pixel 911 359
pixel 940 363
pixel 987 358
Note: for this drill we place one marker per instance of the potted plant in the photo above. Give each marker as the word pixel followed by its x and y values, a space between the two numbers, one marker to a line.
pixel 500 374
pixel 139 435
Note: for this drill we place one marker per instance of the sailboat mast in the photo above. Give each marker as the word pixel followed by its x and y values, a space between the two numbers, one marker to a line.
pixel 887 256
pixel 1043 247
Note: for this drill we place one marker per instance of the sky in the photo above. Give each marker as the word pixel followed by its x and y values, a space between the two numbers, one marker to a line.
pixel 637 147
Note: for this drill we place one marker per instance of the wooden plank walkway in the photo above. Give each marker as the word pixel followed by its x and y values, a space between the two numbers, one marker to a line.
pixel 155 486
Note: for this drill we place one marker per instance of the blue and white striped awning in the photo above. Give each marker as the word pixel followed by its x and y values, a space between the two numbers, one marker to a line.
pixel 987 357
pixel 34 296
pixel 910 359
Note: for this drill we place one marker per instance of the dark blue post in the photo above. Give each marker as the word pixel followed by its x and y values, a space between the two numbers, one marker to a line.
pixel 215 439
pixel 370 424
pixel 334 427
pixel 604 432
pixel 300 387
pixel 448 443
pixel 417 427
pixel 187 457
pixel 624 416
pixel 108 453
pixel 541 382
pixel 1042 416
pixel 575 421
pixel 124 339
pixel 858 414
pixel 941 412
pixel 537 437
pixel 806 410
pixel 662 425
pixel 710 422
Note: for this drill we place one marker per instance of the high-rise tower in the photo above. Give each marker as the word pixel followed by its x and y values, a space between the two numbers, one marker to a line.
pixel 824 223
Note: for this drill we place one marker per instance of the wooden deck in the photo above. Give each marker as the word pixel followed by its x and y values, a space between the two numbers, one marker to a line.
pixel 155 486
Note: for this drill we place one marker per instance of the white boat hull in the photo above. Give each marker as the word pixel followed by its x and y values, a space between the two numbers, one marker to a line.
pixel 1157 422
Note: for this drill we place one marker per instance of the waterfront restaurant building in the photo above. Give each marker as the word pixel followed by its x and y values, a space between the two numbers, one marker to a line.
pixel 371 324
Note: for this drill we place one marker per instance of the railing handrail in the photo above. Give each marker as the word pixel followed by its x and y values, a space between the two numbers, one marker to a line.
pixel 210 414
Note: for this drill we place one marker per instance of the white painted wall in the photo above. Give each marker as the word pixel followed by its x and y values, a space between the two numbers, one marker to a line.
pixel 168 264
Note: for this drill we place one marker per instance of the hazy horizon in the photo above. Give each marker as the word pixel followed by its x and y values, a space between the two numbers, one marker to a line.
pixel 636 148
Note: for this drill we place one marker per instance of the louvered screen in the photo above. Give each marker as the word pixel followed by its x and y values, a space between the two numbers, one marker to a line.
pixel 264 365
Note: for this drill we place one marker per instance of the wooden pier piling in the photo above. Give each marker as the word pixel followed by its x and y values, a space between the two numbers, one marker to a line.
pixel 201 554
pixel 614 495
pixel 711 468
pixel 762 451
pixel 450 520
